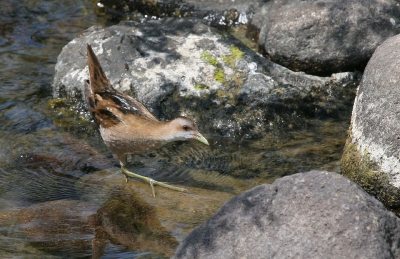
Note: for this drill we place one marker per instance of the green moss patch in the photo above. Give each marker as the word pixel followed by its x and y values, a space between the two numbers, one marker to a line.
pixel 57 103
pixel 207 57
pixel 236 54
pixel 68 114
pixel 201 87
pixel 362 170
pixel 219 75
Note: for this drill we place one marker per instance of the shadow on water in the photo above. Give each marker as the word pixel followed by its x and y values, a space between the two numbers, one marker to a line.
pixel 61 192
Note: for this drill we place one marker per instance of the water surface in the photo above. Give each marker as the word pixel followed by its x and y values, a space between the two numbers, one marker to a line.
pixel 54 204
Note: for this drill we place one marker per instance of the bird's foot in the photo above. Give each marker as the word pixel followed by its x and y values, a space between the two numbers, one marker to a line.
pixel 152 182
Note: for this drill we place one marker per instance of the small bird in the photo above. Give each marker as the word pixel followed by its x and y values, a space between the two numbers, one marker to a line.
pixel 128 127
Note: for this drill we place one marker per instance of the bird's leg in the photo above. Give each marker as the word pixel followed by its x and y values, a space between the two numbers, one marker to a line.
pixel 152 182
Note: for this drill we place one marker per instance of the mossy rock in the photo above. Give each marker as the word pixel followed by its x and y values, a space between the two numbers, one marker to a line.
pixel 362 170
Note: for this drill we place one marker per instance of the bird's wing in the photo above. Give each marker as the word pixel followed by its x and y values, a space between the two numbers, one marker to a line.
pixel 111 107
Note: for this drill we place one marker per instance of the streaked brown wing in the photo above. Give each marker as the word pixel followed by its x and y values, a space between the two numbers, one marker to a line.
pixel 111 107
pixel 127 105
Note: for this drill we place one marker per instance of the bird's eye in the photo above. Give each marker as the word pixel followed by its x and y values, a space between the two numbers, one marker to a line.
pixel 185 127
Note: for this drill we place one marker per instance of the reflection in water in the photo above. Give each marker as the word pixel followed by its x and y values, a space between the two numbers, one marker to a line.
pixel 127 220
pixel 61 192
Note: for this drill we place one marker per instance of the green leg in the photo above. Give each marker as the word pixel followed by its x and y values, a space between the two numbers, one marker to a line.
pixel 152 182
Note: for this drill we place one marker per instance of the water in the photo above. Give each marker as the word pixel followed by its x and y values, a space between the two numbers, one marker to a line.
pixel 54 204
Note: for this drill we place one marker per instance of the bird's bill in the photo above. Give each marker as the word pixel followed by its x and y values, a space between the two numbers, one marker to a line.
pixel 200 138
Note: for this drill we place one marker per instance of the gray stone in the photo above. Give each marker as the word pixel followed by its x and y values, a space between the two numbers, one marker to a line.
pixel 309 215
pixel 257 88
pixel 323 36
pixel 375 121
pixel 184 67
pixel 375 126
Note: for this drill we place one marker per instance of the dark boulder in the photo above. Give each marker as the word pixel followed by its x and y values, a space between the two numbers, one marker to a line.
pixel 308 215
pixel 323 37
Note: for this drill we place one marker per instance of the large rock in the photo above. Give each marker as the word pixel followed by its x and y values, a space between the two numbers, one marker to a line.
pixel 310 215
pixel 371 156
pixel 323 36
pixel 184 67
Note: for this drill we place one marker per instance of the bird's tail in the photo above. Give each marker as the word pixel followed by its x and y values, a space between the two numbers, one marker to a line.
pixel 98 80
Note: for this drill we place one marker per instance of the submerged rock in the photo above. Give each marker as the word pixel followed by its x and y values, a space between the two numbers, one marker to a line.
pixel 371 157
pixel 309 215
pixel 322 37
pixel 184 67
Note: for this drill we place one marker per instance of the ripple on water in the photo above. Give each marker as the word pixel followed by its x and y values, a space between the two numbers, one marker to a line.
pixel 24 186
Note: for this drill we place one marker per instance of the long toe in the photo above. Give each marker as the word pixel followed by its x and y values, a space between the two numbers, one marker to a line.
pixel 152 182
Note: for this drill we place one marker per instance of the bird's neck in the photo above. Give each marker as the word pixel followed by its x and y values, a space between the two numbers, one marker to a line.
pixel 164 131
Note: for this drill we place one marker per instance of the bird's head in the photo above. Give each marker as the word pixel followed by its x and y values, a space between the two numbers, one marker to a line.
pixel 185 128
